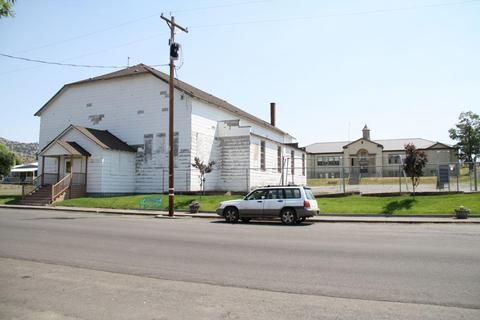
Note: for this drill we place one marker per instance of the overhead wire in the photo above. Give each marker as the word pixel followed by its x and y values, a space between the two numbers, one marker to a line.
pixel 72 64
pixel 128 22
pixel 225 24
pixel 366 12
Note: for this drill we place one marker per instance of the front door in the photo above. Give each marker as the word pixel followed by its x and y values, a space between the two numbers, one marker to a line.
pixel 67 167
pixel 252 206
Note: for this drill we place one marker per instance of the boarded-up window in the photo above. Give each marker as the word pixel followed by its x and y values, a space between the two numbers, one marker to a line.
pixel 279 159
pixel 262 155
pixel 148 146
pixel 175 144
pixel 292 155
pixel 303 164
pixel 162 147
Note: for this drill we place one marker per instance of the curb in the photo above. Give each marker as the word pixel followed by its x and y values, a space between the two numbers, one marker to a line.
pixel 325 218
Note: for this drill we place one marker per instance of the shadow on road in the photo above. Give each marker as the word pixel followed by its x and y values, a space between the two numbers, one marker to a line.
pixel 58 218
pixel 266 223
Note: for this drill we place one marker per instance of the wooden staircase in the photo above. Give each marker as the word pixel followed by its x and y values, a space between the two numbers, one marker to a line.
pixel 42 195
pixel 39 197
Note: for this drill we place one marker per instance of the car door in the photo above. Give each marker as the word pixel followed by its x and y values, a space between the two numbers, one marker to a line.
pixel 273 203
pixel 253 204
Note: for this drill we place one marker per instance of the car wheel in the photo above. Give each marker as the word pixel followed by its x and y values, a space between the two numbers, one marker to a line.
pixel 246 220
pixel 231 215
pixel 288 216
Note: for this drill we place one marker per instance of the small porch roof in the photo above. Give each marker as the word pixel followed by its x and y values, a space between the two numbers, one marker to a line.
pixel 64 148
pixel 102 138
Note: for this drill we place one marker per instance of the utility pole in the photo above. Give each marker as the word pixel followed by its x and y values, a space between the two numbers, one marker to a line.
pixel 173 46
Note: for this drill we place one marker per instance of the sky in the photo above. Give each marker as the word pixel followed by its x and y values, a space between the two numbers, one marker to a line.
pixel 406 68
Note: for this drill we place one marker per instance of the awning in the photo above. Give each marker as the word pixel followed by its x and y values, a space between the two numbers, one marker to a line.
pixel 24 170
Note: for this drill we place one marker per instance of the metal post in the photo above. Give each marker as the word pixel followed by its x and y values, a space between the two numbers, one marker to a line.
pixel 458 176
pixel 400 179
pixel 42 179
pixel 163 180
pixel 475 173
pixel 449 179
pixel 343 177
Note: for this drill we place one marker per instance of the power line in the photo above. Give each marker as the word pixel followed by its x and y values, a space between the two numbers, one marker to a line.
pixel 128 22
pixel 70 64
pixel 221 6
pixel 367 12
pixel 93 52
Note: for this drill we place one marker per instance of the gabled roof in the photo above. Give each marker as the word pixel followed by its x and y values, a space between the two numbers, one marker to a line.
pixel 73 148
pixel 368 140
pixel 180 85
pixel 103 138
pixel 388 145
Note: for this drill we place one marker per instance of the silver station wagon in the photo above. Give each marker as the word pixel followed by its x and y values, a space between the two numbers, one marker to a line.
pixel 292 204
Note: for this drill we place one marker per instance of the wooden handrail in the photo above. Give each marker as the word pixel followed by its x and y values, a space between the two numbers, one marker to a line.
pixel 35 185
pixel 61 186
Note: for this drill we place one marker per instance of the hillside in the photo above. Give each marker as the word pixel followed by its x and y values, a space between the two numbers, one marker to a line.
pixel 25 151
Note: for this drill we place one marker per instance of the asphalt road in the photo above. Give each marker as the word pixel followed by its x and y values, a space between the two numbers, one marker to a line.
pixel 201 268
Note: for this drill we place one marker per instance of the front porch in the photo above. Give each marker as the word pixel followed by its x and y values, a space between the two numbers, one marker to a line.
pixel 63 174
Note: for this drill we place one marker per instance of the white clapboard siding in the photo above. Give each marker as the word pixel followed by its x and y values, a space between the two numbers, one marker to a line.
pixel 135 109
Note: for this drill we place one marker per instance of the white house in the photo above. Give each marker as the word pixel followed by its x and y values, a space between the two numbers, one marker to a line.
pixel 111 133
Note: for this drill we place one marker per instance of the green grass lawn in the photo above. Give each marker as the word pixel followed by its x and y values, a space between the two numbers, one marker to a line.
pixel 396 205
pixel 9 199
pixel 207 203
pixel 401 205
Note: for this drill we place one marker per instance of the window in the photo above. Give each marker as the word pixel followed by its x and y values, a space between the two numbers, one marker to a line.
pixel 303 164
pixel 328 161
pixel 148 144
pixel 292 154
pixel 256 195
pixel 275 194
pixel 309 194
pixel 161 142
pixel 363 155
pixel 292 194
pixel 175 144
pixel 279 159
pixel 262 155
pixel 394 159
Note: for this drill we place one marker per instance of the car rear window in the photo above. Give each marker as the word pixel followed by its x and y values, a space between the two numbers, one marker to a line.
pixel 292 193
pixel 309 194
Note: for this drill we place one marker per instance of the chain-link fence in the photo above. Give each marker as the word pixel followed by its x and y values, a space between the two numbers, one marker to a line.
pixel 444 177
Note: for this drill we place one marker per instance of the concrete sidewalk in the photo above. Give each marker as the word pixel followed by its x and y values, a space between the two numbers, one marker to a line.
pixel 323 217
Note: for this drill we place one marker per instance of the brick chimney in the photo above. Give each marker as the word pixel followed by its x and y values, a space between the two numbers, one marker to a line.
pixel 272 113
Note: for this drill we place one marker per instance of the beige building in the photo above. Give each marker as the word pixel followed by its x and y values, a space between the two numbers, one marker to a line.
pixel 365 157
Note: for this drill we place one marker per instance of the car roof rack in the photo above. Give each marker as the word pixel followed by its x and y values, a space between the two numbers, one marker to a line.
pixel 281 186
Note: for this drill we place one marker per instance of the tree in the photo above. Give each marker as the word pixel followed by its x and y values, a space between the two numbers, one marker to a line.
pixel 6 8
pixel 467 133
pixel 7 160
pixel 204 169
pixel 414 162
